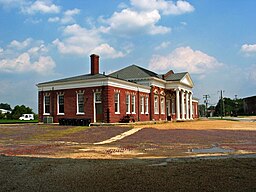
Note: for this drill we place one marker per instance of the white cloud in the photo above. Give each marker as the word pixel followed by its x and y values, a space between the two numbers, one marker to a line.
pixel 81 41
pixel 131 22
pixel 77 40
pixel 163 45
pixel 67 18
pixel 248 49
pixel 1 50
pixel 53 19
pixel 26 56
pixel 107 51
pixel 166 7
pixel 185 59
pixel 41 6
pixel 20 45
pixel 23 64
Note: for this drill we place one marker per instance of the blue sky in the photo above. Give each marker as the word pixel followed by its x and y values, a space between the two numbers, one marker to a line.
pixel 215 41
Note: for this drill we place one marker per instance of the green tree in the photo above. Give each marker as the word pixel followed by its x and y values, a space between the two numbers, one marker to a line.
pixel 5 106
pixel 201 109
pixel 1 115
pixel 19 110
pixel 230 107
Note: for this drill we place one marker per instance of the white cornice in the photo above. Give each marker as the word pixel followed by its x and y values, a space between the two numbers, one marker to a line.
pixel 108 81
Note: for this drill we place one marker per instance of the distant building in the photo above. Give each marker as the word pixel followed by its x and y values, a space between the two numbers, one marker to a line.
pixel 132 91
pixel 4 111
pixel 250 105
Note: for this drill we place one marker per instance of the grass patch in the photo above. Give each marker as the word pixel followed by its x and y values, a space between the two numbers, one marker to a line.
pixel 15 121
pixel 51 134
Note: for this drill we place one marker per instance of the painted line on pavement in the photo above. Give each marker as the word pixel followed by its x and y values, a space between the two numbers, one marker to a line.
pixel 119 137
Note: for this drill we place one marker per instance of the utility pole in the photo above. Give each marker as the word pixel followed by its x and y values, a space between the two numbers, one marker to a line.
pixel 206 101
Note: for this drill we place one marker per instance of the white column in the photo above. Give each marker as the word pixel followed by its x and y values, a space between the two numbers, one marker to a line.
pixel 187 107
pixel 177 104
pixel 182 105
pixel 190 105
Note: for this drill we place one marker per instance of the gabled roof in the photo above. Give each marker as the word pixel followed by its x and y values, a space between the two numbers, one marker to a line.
pixel 76 78
pixel 133 72
pixel 176 76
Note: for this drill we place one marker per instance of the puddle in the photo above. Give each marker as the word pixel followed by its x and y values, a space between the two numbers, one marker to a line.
pixel 212 150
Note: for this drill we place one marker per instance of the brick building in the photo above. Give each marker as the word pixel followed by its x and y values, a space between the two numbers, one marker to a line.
pixel 250 105
pixel 132 91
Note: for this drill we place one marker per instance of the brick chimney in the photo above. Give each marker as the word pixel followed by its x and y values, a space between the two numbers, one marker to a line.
pixel 94 64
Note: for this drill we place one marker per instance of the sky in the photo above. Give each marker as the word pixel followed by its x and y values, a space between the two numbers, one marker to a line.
pixel 44 40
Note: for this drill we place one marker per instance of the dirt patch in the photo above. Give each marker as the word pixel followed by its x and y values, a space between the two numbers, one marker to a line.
pixel 159 140
pixel 143 161
pixel 44 174
pixel 205 125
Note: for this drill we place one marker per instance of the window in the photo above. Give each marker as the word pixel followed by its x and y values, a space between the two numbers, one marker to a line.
pixel 97 97
pixel 146 105
pixel 60 104
pixel 142 105
pixel 127 104
pixel 162 106
pixel 47 105
pixel 156 105
pixel 117 103
pixel 133 104
pixel 80 103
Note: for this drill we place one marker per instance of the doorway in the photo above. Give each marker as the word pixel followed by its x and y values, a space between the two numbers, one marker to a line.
pixel 98 112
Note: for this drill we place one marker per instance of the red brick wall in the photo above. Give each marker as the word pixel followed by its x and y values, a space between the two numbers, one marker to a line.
pixel 108 104
pixel 70 103
pixel 195 112
pixel 123 92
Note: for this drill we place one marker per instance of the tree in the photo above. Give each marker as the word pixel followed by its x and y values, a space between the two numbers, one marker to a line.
pixel 231 107
pixel 19 110
pixel 201 109
pixel 5 106
pixel 1 115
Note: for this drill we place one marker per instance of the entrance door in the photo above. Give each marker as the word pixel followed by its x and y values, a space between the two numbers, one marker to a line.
pixel 98 113
pixel 168 109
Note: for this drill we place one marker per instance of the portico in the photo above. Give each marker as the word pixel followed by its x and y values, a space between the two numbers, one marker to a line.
pixel 183 104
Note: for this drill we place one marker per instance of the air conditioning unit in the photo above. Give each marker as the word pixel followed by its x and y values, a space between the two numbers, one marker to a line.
pixel 48 119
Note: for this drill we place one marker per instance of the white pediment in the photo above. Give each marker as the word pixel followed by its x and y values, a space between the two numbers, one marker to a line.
pixel 186 80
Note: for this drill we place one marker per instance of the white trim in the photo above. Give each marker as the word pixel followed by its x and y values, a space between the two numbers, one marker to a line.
pixel 44 104
pixel 134 104
pixel 146 105
pixel 156 112
pixel 58 113
pixel 118 102
pixel 77 104
pixel 142 105
pixel 162 107
pixel 129 104
pixel 95 83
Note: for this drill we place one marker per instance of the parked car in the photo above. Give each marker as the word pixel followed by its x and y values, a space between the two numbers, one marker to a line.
pixel 27 117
